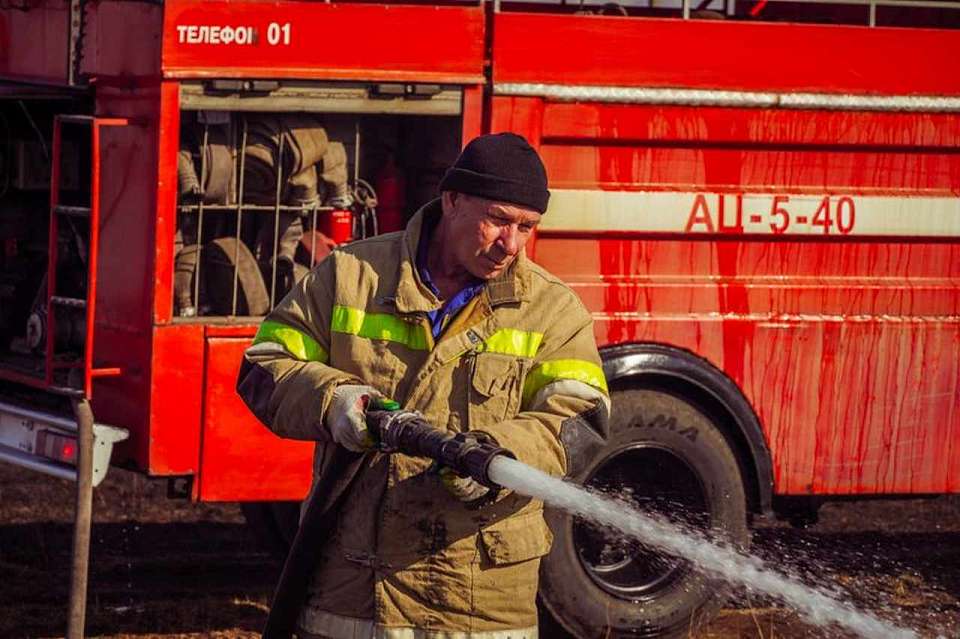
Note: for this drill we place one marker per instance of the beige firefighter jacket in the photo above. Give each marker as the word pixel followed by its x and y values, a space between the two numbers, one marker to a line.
pixel 408 559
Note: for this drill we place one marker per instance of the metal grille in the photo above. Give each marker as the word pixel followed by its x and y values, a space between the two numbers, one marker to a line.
pixel 240 250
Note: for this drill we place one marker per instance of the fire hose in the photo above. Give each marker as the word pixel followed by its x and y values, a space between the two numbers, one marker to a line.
pixel 394 431
pixel 467 454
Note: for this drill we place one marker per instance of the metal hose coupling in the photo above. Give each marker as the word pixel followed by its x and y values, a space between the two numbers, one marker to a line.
pixel 468 454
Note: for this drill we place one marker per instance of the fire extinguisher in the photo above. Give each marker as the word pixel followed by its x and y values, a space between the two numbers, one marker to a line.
pixel 391 187
pixel 337 225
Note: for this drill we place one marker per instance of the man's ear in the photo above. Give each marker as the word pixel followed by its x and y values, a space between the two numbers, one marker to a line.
pixel 448 200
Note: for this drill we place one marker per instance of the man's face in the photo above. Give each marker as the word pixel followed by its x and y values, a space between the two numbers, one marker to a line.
pixel 486 235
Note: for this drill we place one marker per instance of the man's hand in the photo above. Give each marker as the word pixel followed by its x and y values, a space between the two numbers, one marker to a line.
pixel 466 489
pixel 345 418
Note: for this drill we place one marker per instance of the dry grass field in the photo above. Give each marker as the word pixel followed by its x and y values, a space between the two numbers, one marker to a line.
pixel 171 569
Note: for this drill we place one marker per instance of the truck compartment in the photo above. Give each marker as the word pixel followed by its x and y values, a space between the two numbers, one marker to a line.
pixel 264 193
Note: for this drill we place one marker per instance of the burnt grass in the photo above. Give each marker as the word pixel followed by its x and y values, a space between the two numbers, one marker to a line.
pixel 172 569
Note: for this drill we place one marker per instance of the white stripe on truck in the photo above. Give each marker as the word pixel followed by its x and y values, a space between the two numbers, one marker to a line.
pixel 833 215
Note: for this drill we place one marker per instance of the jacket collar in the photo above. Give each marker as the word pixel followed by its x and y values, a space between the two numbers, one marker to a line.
pixel 412 294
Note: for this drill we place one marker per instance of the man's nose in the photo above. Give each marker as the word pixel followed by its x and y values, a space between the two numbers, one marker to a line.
pixel 510 239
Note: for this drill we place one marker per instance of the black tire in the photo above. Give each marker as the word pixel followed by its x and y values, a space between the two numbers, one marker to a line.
pixel 666 450
pixel 274 523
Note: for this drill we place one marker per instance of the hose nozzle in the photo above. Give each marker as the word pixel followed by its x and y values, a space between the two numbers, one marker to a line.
pixel 468 454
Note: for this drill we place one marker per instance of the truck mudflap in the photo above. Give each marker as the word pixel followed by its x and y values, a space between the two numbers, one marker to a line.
pixel 48 442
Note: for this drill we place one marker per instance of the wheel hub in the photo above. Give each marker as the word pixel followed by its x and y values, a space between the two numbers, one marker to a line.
pixel 655 480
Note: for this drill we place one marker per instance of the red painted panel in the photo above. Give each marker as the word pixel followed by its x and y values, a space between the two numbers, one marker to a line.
pixel 33 43
pixel 472 113
pixel 123 333
pixel 247 330
pixel 176 399
pixel 717 126
pixel 124 400
pixel 166 194
pixel 122 39
pixel 847 351
pixel 320 40
pixel 128 196
pixel 240 459
pixel 524 116
pixel 900 432
pixel 677 148
pixel 786 168
pixel 615 51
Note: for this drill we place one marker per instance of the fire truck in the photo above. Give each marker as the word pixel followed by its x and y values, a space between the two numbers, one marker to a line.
pixel 759 202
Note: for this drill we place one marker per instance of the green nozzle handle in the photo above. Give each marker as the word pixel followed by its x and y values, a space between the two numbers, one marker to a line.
pixel 382 403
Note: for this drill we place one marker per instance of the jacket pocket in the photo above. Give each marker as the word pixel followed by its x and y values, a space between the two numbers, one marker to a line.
pixel 496 388
pixel 516 539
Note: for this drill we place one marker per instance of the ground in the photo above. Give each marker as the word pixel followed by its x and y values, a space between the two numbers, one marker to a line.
pixel 171 569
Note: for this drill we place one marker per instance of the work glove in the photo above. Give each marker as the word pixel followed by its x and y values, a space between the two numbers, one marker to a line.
pixel 466 489
pixel 462 486
pixel 345 418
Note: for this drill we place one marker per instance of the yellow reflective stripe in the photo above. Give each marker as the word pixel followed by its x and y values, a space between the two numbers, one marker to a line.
pixel 297 343
pixel 511 341
pixel 354 321
pixel 576 369
pixel 346 320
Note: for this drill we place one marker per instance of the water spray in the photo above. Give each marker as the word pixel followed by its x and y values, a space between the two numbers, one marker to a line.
pixel 410 433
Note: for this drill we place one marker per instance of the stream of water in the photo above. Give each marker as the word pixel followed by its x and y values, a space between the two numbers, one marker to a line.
pixel 816 605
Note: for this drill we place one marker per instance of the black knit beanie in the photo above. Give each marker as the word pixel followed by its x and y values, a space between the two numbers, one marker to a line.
pixel 501 166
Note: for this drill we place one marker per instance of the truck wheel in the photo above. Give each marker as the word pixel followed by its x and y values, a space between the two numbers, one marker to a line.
pixel 274 523
pixel 670 457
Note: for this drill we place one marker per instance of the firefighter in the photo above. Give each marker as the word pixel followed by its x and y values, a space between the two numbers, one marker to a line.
pixel 451 319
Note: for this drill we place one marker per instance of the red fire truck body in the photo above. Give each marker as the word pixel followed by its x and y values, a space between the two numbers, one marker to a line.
pixel 762 217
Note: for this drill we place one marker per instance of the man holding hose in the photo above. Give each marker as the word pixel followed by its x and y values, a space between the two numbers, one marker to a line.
pixel 451 319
